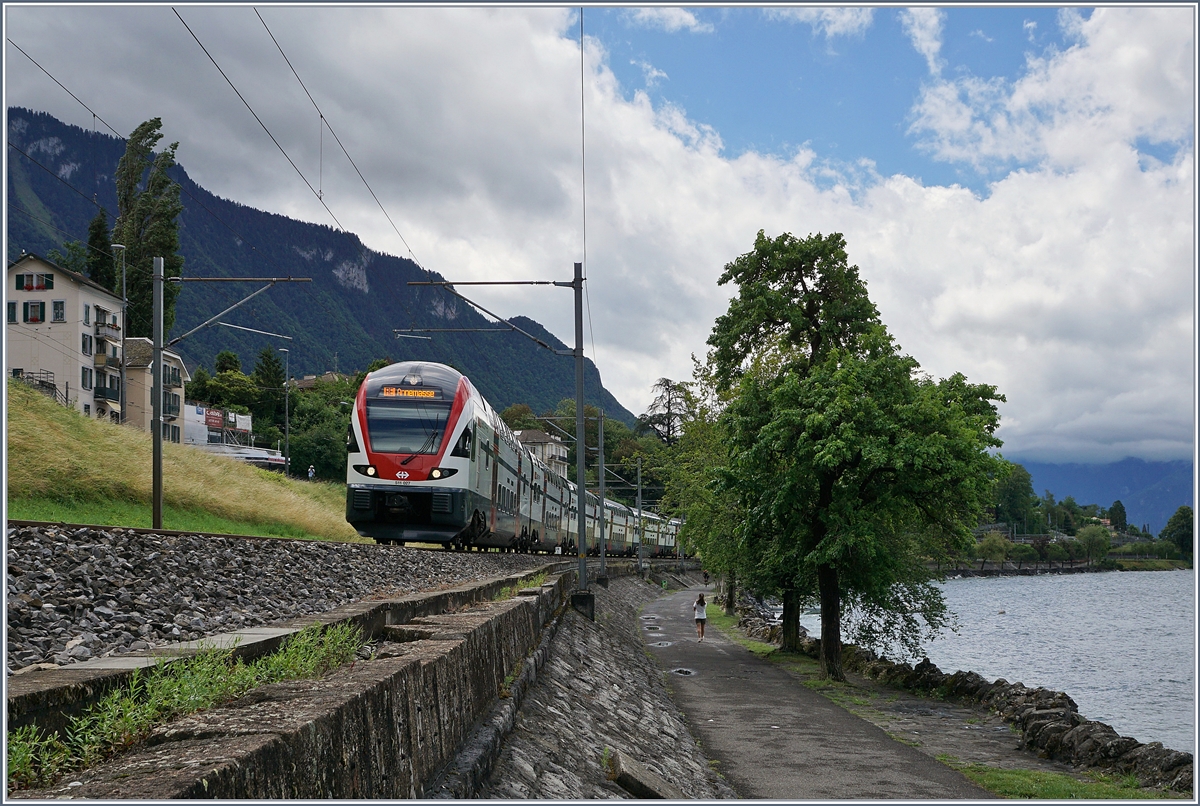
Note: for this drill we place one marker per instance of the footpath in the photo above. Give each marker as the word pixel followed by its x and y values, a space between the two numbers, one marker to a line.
pixel 773 738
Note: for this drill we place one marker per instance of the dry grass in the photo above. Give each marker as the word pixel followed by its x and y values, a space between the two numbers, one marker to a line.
pixel 56 454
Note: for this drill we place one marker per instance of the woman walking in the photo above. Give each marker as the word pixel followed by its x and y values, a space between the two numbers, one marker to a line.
pixel 700 610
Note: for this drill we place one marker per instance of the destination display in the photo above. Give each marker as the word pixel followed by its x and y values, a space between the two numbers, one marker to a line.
pixel 397 391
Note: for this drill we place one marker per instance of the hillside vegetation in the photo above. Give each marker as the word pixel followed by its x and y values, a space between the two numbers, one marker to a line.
pixel 63 466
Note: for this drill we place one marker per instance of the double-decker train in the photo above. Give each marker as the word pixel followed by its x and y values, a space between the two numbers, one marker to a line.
pixel 430 461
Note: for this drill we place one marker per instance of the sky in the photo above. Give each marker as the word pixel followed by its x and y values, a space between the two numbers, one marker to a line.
pixel 1016 185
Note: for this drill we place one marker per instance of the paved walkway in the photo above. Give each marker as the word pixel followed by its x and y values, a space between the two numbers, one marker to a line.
pixel 774 738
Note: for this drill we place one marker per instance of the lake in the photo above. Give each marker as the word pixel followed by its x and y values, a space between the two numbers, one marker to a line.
pixel 1121 644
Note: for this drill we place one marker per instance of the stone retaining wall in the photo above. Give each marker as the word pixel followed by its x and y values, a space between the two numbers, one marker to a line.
pixel 375 729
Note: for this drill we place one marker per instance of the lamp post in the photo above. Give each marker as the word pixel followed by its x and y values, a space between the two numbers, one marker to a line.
pixel 287 391
pixel 124 325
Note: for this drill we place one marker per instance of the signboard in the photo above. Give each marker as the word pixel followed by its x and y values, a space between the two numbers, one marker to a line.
pixel 212 418
pixel 396 391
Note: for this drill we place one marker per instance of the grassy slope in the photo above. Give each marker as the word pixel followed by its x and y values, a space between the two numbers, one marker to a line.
pixel 65 467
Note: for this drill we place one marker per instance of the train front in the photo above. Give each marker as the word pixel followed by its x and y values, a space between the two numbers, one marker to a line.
pixel 408 455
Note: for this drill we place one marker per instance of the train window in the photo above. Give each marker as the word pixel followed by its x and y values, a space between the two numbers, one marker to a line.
pixel 463 446
pixel 406 426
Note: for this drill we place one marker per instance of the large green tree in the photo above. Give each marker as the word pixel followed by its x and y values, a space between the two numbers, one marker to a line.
pixel 852 467
pixel 664 415
pixel 1015 501
pixel 1181 530
pixel 148 208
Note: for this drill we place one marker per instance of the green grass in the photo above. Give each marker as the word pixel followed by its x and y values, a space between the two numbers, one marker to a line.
pixel 64 467
pixel 127 513
pixel 1040 785
pixel 1150 565
pixel 511 591
pixel 127 715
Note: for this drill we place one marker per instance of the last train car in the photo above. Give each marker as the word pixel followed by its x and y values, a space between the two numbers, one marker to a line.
pixel 422 466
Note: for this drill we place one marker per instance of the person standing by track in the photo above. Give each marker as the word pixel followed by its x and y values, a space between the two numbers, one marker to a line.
pixel 700 609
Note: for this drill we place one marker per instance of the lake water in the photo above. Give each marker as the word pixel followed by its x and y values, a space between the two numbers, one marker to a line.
pixel 1122 645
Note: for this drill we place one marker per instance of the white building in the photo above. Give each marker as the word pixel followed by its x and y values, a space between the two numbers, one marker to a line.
pixel 63 333
pixel 139 383
pixel 546 447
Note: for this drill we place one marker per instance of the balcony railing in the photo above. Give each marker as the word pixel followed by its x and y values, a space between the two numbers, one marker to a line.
pixel 173 378
pixel 106 331
pixel 104 393
pixel 170 410
pixel 101 360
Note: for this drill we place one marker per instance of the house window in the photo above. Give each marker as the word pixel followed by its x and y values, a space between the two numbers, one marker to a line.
pixel 87 343
pixel 59 310
pixel 87 377
pixel 34 312
pixel 34 282
pixel 12 312
pixel 87 314
pixel 17 372
pixel 87 410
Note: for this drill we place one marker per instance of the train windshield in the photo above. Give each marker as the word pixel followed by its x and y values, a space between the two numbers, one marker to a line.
pixel 406 426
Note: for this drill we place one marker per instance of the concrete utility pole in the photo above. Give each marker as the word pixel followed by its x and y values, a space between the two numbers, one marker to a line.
pixel 124 326
pixel 580 442
pixel 638 520
pixel 156 395
pixel 603 514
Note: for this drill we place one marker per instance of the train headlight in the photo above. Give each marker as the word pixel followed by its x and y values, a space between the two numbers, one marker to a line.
pixel 442 472
pixel 366 470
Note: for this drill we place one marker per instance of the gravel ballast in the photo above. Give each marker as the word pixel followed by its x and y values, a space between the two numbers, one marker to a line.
pixel 81 593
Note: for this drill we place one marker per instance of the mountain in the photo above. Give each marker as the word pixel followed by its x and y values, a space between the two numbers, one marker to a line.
pixel 1150 491
pixel 342 320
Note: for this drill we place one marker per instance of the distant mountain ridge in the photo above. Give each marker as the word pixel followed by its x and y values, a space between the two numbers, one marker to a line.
pixel 1150 491
pixel 342 320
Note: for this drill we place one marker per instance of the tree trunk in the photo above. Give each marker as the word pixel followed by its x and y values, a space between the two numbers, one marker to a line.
pixel 731 593
pixel 831 623
pixel 791 620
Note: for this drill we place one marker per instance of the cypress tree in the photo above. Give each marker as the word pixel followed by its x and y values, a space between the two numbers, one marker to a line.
pixel 147 225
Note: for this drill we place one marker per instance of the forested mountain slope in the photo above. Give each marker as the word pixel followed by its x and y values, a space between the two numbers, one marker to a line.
pixel 343 319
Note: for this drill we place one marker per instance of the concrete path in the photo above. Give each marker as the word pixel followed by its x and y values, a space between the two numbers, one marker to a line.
pixel 774 738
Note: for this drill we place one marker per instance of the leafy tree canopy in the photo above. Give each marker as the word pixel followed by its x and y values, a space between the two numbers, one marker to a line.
pixel 1117 517
pixel 1180 530
pixel 74 257
pixel 101 267
pixel 852 467
pixel 520 417
pixel 227 361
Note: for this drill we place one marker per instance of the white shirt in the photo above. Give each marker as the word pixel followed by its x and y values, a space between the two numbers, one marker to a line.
pixel 700 611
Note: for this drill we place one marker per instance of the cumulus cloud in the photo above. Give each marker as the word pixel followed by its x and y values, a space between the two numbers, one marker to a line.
pixel 1069 285
pixel 668 19
pixel 829 22
pixel 923 26
pixel 1130 76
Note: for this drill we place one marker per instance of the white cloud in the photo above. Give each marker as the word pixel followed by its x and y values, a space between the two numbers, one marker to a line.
pixel 1069 286
pixel 1129 77
pixel 829 22
pixel 923 26
pixel 668 19
pixel 652 74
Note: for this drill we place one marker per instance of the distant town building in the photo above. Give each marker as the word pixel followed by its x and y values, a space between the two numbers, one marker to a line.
pixel 547 447
pixel 309 381
pixel 139 379
pixel 63 335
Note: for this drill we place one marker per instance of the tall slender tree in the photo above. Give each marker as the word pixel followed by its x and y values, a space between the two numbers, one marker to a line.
pixel 101 267
pixel 149 206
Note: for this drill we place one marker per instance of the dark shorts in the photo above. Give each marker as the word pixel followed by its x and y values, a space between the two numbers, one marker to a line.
pixel 701 620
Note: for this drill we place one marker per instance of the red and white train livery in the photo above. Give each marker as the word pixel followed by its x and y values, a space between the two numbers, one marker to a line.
pixel 430 461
